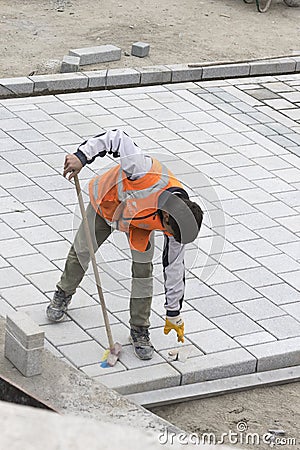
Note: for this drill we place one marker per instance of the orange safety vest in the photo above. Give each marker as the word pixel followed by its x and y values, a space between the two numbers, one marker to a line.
pixel 131 205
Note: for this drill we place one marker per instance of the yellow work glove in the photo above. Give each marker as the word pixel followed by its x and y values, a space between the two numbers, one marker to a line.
pixel 175 323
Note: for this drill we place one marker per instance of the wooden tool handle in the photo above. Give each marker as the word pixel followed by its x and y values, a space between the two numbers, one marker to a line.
pixel 94 264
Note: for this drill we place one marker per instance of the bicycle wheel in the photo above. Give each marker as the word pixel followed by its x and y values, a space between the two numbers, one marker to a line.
pixel 292 2
pixel 263 5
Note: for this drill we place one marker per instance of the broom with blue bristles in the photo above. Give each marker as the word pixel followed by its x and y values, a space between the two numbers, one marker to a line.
pixel 111 355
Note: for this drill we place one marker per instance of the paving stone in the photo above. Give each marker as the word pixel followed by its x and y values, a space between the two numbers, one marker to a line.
pixel 46 207
pixel 258 276
pixel 216 365
pixel 21 219
pixel 259 337
pixel 237 206
pixel 273 66
pixel 119 331
pixel 259 309
pixel 155 74
pixel 10 277
pixel 15 179
pixel 137 380
pixel 277 235
pixel 293 278
pixel 9 87
pixel 277 354
pixel 276 209
pixel 219 276
pixel 90 317
pixel 32 116
pixel 59 82
pixel 257 248
pixel 225 71
pixel 282 327
pixel 293 309
pixel 96 79
pixel 279 264
pixel 83 353
pixel 140 49
pixel 237 260
pixel 37 312
pixel 6 232
pixel 194 288
pixel 52 252
pixel 65 333
pixel 70 64
pixel 213 306
pixel 94 370
pixel 15 247
pixel 183 72
pixel 39 234
pixel 292 249
pixel 29 193
pixel 26 136
pixel 236 291
pixel 98 54
pixel 122 77
pixel 45 283
pixel 236 324
pixel 28 264
pixel 274 186
pixel 212 341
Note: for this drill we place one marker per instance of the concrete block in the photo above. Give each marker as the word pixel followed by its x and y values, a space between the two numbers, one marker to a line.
pixel 155 75
pixel 59 82
pixel 122 77
pixel 22 328
pixel 10 87
pixel 96 79
pixel 183 72
pixel 140 49
pixel 24 344
pixel 70 64
pixel 225 71
pixel 28 362
pixel 95 55
pixel 277 354
pixel 297 59
pixel 273 66
pixel 142 379
pixel 225 364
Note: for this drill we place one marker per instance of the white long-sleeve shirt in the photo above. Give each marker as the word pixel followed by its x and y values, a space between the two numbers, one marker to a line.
pixel 136 164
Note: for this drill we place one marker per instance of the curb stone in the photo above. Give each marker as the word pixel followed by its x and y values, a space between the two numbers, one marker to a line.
pixel 160 74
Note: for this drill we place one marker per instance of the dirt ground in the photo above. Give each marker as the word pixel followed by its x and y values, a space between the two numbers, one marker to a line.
pixel 258 410
pixel 36 34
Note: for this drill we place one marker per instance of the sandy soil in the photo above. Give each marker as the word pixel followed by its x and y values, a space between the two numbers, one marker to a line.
pixel 36 34
pixel 261 409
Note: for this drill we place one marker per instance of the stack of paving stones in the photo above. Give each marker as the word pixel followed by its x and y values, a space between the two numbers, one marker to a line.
pixel 234 143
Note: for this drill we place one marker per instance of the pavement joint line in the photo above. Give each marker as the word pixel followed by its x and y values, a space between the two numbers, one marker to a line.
pixel 59 83
pixel 197 391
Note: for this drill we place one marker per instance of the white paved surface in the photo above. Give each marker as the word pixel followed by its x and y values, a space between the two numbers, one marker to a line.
pixel 235 144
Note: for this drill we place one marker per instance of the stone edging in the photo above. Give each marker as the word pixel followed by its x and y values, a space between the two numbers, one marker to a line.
pixel 119 78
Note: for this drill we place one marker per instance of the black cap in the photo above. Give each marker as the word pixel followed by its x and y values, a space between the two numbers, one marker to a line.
pixel 181 213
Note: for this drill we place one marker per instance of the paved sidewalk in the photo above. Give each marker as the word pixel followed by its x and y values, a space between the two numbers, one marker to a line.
pixel 236 145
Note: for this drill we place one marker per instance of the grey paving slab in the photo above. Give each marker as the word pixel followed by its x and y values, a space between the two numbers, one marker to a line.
pixel 224 364
pixel 137 380
pixel 260 337
pixel 259 309
pixel 212 306
pixel 212 341
pixel 277 354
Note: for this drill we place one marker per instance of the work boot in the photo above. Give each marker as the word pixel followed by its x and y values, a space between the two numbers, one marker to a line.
pixel 58 306
pixel 142 345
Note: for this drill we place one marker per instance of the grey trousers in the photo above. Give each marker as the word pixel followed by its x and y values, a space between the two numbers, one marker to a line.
pixel 141 268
